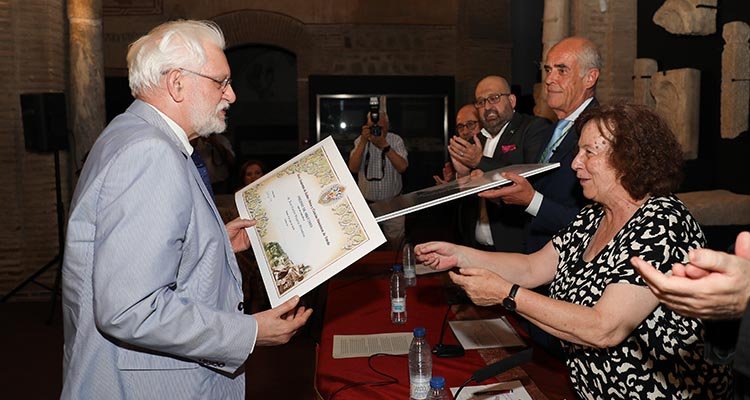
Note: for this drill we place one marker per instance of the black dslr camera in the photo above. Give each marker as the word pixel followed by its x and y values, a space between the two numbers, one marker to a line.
pixel 375 129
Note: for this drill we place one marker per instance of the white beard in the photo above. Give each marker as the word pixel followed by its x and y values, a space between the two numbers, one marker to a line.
pixel 208 123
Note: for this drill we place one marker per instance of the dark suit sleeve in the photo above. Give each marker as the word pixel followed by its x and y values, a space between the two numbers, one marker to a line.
pixel 553 216
pixel 536 138
pixel 563 198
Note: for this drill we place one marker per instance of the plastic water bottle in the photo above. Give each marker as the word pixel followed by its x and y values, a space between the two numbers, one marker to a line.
pixel 410 268
pixel 398 296
pixel 420 365
pixel 437 389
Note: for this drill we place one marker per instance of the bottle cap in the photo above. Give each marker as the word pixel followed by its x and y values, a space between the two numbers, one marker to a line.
pixel 398 268
pixel 419 331
pixel 437 382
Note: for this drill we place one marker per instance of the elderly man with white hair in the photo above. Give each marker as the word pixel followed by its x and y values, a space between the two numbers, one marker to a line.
pixel 152 297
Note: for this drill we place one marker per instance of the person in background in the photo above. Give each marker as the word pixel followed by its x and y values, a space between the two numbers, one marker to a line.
pixel 619 341
pixel 468 127
pixel 152 296
pixel 256 298
pixel 507 138
pixel 713 286
pixel 250 171
pixel 379 161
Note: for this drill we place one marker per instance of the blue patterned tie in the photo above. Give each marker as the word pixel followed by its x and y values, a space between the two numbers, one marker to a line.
pixel 555 140
pixel 198 161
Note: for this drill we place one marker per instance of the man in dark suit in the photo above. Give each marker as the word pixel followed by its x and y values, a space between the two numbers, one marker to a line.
pixel 572 67
pixel 507 138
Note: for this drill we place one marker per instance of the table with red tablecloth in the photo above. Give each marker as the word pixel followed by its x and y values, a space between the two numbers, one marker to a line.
pixel 358 303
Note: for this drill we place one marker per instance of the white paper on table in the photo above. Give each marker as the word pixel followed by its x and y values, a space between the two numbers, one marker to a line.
pixel 311 221
pixel 351 346
pixel 518 392
pixel 485 333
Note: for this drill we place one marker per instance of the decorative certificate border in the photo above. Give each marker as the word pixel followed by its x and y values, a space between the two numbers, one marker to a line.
pixel 310 206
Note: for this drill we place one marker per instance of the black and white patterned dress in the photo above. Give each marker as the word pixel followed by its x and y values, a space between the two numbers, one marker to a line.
pixel 663 357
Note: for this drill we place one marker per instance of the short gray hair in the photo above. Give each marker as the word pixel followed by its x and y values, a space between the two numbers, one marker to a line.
pixel 174 44
pixel 589 57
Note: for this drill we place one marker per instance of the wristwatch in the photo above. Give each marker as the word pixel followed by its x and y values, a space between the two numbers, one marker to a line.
pixel 510 302
pixel 386 149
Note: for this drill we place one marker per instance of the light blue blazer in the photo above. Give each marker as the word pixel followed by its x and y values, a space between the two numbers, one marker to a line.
pixel 151 287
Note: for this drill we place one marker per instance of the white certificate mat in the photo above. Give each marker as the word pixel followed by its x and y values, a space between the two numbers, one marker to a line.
pixel 434 195
pixel 485 333
pixel 351 346
pixel 311 222
pixel 512 390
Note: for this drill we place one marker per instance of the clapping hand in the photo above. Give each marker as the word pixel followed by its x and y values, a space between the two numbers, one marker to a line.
pixel 465 152
pixel 712 285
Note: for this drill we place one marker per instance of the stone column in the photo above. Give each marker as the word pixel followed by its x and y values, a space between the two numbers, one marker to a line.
pixel 86 90
pixel 643 70
pixel 555 27
pixel 677 93
pixel 735 79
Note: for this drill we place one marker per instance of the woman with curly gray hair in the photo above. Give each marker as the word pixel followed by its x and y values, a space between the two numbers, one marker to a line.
pixel 620 341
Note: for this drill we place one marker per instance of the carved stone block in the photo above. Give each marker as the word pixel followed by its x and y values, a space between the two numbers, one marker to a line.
pixel 735 79
pixel 643 70
pixel 677 96
pixel 687 17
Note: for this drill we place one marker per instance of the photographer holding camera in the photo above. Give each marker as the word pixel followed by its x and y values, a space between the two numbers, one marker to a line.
pixel 379 158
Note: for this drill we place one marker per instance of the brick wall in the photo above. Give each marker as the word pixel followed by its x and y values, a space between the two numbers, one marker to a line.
pixel 32 59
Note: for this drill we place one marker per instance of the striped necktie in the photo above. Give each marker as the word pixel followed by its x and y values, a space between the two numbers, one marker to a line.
pixel 198 161
pixel 555 140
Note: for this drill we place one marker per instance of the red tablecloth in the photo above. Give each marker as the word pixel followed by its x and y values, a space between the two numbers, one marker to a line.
pixel 361 306
pixel 358 303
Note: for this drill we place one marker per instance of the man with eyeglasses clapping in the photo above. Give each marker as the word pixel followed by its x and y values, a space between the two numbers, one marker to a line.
pixel 507 137
pixel 467 128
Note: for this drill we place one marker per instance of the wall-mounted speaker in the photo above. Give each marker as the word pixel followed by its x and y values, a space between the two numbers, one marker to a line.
pixel 45 126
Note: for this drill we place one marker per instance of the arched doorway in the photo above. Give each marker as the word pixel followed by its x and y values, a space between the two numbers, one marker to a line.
pixel 263 123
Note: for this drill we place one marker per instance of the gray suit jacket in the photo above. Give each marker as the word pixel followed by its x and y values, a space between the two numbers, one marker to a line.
pixel 151 286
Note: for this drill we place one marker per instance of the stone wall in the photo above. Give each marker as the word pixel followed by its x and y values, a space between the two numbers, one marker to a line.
pixel 614 32
pixel 32 59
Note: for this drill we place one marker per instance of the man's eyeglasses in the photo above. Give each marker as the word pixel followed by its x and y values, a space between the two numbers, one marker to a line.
pixel 492 99
pixel 470 125
pixel 222 84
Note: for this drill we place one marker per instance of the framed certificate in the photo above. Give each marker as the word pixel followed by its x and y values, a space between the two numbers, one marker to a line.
pixel 461 187
pixel 311 222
